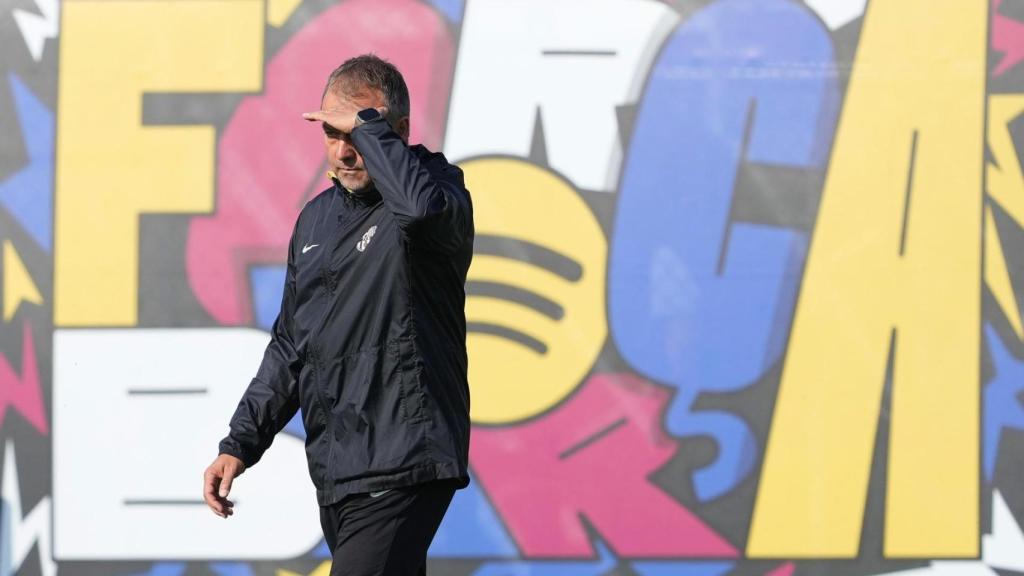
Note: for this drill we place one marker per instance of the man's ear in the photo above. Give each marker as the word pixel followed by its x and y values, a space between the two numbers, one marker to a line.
pixel 403 128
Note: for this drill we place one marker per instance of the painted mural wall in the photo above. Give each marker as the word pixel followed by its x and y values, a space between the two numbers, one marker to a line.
pixel 746 296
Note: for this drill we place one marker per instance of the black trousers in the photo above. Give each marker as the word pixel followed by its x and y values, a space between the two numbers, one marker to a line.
pixel 385 534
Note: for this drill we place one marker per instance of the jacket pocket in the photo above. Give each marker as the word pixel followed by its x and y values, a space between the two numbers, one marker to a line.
pixel 403 354
pixel 373 409
pixel 314 420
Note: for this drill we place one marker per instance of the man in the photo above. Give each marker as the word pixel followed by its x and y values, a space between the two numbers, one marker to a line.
pixel 371 338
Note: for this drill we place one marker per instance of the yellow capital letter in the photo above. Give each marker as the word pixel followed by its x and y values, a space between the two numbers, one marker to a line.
pixel 111 168
pixel 895 263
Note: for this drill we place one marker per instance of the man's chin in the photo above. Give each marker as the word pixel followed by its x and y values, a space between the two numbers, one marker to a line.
pixel 355 184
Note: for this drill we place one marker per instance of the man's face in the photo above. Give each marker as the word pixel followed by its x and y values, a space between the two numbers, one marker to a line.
pixel 342 156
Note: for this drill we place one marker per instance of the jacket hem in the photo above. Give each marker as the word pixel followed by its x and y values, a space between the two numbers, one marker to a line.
pixel 409 477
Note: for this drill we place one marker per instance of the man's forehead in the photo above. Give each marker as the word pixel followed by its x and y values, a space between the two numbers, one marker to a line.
pixel 354 96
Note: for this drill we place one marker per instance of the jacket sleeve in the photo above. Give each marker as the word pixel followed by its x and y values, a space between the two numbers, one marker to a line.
pixel 432 204
pixel 271 399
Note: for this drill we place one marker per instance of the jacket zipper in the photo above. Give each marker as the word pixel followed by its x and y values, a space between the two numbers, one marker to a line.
pixel 329 285
pixel 315 353
pixel 314 345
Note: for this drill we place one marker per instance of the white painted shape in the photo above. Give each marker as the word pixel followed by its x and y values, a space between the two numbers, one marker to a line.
pixel 110 446
pixel 1004 547
pixel 36 29
pixel 948 568
pixel 502 77
pixel 837 13
pixel 19 534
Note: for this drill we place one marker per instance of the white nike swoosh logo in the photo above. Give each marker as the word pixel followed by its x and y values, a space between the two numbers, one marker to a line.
pixel 309 247
pixel 378 494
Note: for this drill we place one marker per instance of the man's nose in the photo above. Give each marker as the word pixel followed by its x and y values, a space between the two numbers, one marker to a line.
pixel 344 150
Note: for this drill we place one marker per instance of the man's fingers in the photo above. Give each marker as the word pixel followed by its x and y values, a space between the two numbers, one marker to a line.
pixel 209 486
pixel 313 116
pixel 217 480
pixel 210 494
pixel 225 485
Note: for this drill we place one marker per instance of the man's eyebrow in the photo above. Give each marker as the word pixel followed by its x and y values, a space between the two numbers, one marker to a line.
pixel 328 129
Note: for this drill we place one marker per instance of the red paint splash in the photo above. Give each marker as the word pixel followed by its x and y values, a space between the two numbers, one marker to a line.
pixel 782 570
pixel 1007 38
pixel 23 392
pixel 592 457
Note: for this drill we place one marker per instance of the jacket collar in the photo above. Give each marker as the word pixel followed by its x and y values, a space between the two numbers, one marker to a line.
pixel 365 197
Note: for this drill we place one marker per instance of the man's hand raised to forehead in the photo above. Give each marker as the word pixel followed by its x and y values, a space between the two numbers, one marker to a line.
pixel 342 118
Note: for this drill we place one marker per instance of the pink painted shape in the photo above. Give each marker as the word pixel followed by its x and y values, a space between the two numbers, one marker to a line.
pixel 542 495
pixel 782 570
pixel 270 159
pixel 1008 38
pixel 23 392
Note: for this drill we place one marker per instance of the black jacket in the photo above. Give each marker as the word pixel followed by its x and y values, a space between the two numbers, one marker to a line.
pixel 371 338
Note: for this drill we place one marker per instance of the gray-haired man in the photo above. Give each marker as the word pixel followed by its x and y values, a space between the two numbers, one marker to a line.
pixel 371 338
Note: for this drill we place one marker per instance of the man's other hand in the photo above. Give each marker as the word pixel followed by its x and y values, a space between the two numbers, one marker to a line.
pixel 217 484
